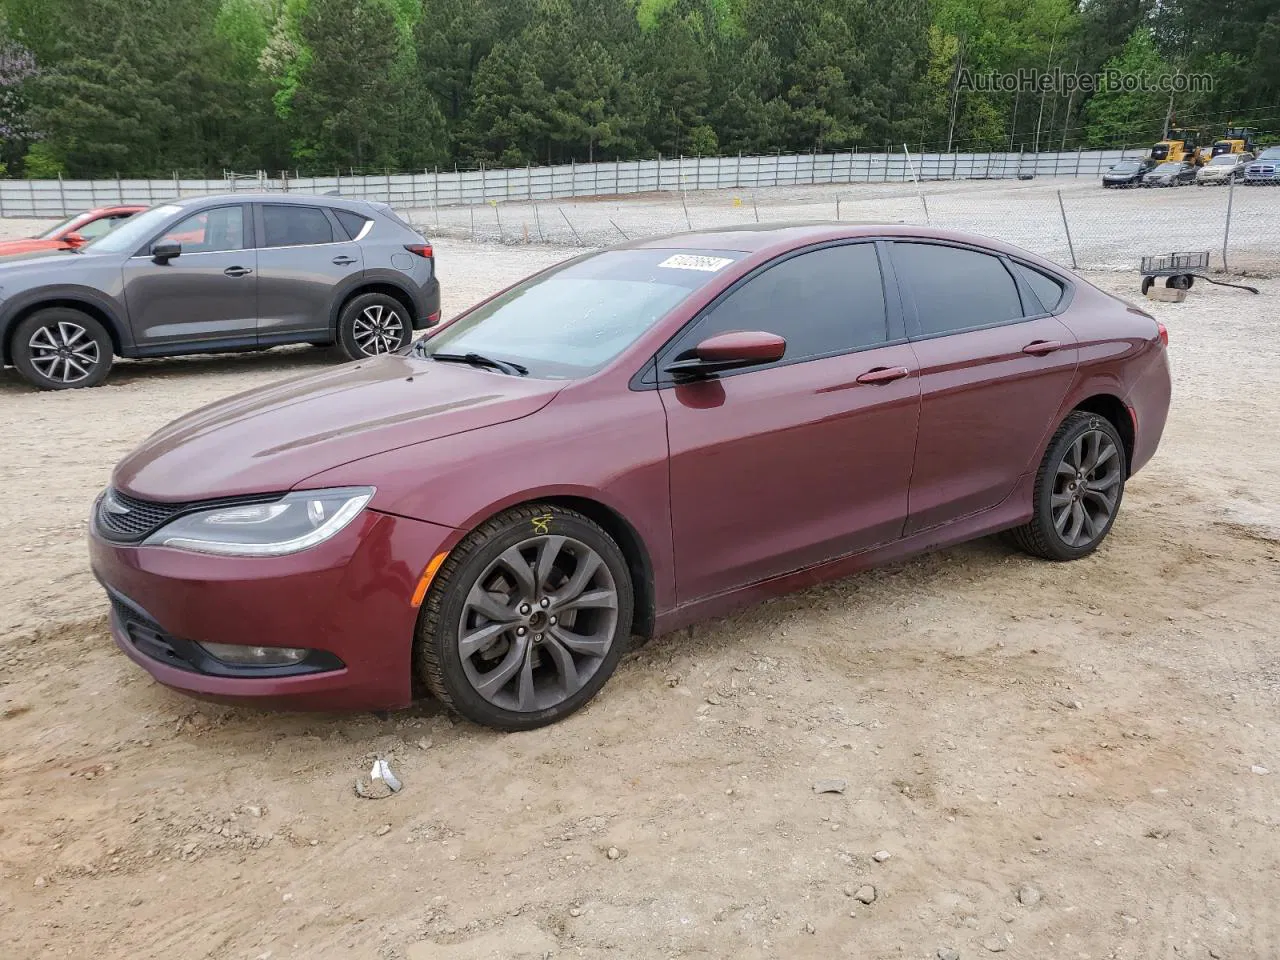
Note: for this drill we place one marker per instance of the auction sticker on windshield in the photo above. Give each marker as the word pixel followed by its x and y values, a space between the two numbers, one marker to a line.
pixel 688 261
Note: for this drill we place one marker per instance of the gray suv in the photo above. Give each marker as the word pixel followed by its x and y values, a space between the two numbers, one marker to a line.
pixel 222 273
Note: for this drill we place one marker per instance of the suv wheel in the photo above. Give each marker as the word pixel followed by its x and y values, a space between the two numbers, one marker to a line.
pixel 1078 490
pixel 372 324
pixel 59 348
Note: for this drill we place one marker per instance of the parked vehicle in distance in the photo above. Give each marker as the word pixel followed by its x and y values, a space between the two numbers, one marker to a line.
pixel 625 443
pixel 1171 174
pixel 1223 168
pixel 211 274
pixel 72 232
pixel 1128 173
pixel 1265 170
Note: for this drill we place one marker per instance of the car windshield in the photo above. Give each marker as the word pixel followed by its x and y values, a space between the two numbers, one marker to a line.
pixel 130 234
pixel 1170 167
pixel 575 318
pixel 1271 153
pixel 62 225
pixel 1127 166
pixel 1223 160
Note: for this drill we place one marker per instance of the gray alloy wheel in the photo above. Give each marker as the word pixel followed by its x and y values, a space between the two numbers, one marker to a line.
pixel 537 623
pixel 379 328
pixel 1078 489
pixel 371 325
pixel 60 348
pixel 1086 488
pixel 526 619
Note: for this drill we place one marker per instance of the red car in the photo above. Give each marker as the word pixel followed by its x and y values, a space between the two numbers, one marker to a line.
pixel 73 232
pixel 625 443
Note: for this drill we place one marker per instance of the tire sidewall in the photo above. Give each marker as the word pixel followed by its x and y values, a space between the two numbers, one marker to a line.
pixel 52 315
pixel 462 695
pixel 1044 507
pixel 346 340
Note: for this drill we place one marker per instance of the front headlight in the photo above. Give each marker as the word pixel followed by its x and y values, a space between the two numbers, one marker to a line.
pixel 295 522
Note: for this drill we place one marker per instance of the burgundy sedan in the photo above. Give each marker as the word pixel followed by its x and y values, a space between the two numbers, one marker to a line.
pixel 625 443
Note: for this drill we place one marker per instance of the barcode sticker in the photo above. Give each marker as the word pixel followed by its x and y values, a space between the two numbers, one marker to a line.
pixel 687 261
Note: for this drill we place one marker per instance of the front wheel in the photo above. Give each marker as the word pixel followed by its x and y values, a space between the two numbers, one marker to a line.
pixel 1078 490
pixel 372 324
pixel 60 348
pixel 526 619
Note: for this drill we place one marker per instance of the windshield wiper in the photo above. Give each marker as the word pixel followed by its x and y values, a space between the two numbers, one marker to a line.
pixel 479 360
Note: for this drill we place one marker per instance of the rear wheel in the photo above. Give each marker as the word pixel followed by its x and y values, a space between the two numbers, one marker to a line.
pixel 1078 490
pixel 60 348
pixel 527 618
pixel 372 324
pixel 1182 281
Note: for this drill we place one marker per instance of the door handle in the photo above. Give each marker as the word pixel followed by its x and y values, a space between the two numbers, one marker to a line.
pixel 1038 348
pixel 237 271
pixel 884 375
pixel 344 261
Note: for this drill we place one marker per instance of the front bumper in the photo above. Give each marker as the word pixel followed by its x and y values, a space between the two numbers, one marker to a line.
pixel 350 599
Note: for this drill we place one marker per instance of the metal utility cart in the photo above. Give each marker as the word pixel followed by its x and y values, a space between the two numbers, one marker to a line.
pixel 1180 271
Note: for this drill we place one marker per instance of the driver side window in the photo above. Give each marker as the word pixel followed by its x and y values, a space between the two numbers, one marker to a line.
pixel 209 231
pixel 823 302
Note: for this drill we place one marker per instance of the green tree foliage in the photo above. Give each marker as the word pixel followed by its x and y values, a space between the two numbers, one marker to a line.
pixel 145 87
pixel 1123 115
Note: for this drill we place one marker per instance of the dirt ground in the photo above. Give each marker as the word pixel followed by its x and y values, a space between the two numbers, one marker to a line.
pixel 1096 736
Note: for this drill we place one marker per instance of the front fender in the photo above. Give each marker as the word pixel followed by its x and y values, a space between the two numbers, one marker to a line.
pixel 63 294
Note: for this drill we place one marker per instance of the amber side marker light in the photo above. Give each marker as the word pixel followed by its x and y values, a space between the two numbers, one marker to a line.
pixel 428 575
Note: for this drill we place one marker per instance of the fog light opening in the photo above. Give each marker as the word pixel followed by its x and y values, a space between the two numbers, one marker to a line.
pixel 245 656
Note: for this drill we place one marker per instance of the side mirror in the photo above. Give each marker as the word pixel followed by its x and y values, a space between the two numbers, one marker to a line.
pixel 74 239
pixel 728 351
pixel 165 250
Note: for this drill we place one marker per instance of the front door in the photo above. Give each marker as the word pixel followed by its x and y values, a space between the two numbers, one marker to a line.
pixel 994 371
pixel 205 295
pixel 780 467
pixel 305 257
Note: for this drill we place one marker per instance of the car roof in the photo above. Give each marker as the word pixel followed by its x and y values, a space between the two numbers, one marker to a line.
pixel 777 238
pixel 310 199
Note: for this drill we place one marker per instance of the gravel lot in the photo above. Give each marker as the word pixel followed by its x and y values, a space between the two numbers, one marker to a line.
pixel 1059 760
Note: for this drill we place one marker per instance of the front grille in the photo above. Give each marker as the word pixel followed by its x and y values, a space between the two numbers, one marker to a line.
pixel 128 519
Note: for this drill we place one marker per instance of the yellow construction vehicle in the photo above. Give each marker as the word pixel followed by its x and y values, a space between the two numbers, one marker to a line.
pixel 1235 140
pixel 1178 146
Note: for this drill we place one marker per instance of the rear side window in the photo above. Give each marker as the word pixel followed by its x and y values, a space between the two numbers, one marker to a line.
pixel 291 226
pixel 353 223
pixel 955 289
pixel 823 302
pixel 1046 289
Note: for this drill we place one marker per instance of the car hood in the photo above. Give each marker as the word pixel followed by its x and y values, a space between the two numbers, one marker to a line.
pixel 273 438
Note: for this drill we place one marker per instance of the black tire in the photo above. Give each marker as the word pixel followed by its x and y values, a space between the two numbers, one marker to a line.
pixel 1146 284
pixel 370 325
pixel 439 661
pixel 58 343
pixel 1041 537
pixel 1181 281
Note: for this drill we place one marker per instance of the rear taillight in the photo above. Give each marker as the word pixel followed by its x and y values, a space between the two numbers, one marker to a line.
pixel 421 249
pixel 1164 333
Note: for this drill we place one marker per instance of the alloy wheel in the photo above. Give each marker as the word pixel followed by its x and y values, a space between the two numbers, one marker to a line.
pixel 537 623
pixel 63 352
pixel 1086 489
pixel 377 330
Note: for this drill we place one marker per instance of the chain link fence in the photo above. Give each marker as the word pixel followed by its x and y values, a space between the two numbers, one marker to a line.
pixel 1072 221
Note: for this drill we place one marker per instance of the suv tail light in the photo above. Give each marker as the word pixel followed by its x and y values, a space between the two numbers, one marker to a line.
pixel 421 249
pixel 1164 333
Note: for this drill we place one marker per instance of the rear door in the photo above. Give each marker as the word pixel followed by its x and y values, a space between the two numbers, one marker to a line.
pixel 995 366
pixel 205 295
pixel 304 255
pixel 779 467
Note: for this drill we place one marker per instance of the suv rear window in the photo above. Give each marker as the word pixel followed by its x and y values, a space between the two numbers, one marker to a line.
pixel 292 226
pixel 351 222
